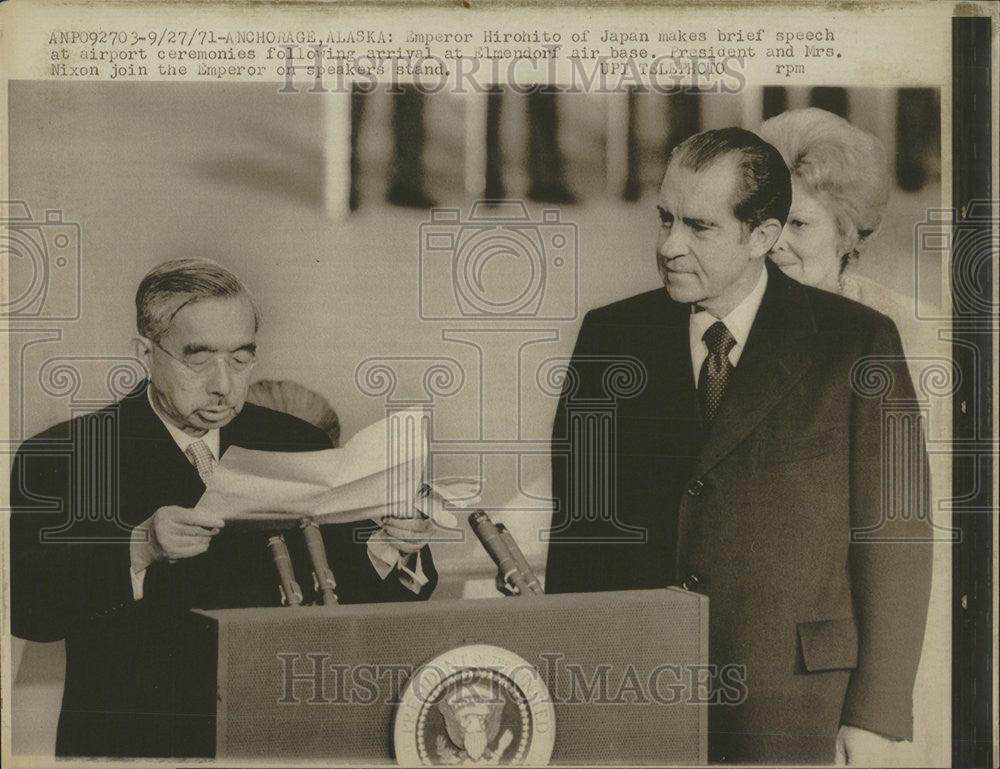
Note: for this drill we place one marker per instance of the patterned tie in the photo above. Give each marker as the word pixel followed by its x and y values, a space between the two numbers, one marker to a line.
pixel 202 458
pixel 716 369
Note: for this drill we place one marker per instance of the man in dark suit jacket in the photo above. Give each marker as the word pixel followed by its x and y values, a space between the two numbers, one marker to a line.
pixel 746 463
pixel 107 552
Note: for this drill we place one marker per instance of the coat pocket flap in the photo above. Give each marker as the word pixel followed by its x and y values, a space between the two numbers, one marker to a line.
pixel 829 644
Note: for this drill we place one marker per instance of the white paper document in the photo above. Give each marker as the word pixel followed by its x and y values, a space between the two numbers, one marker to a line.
pixel 380 472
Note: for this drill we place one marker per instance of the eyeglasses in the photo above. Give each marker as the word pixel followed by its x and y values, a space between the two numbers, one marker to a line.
pixel 201 362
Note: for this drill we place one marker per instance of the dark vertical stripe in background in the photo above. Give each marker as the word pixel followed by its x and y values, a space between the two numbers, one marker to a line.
pixel 972 279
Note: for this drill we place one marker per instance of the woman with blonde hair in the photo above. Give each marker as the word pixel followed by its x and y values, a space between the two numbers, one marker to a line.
pixel 840 188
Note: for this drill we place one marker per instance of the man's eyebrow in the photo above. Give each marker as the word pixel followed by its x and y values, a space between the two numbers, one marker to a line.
pixel 691 221
pixel 664 214
pixel 192 349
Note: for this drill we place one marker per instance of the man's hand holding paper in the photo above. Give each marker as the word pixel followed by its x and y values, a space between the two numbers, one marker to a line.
pixel 178 532
pixel 172 533
pixel 426 519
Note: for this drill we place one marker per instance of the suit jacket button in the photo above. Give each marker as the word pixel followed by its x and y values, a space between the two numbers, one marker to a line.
pixel 695 488
pixel 691 582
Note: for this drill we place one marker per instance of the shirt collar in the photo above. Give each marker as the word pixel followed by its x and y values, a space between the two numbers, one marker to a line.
pixel 181 438
pixel 739 320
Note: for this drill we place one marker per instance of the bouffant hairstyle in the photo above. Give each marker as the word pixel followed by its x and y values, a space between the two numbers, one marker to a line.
pixel 843 166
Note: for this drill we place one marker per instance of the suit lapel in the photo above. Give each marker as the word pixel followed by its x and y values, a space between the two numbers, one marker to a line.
pixel 682 410
pixel 226 438
pixel 663 416
pixel 669 358
pixel 774 359
pixel 157 469
pixel 238 432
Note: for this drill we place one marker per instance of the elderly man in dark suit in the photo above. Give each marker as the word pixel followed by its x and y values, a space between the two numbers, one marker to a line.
pixel 108 552
pixel 747 463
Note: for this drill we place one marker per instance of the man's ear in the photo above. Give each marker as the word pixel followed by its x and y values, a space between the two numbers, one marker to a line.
pixel 142 348
pixel 764 236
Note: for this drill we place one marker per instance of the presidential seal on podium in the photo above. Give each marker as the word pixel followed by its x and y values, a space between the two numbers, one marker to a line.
pixel 475 705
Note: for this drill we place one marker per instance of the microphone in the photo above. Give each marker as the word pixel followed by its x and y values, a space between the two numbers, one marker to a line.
pixel 497 549
pixel 522 563
pixel 323 580
pixel 291 594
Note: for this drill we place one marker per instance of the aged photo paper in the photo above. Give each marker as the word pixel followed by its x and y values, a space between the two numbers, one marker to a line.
pixel 425 200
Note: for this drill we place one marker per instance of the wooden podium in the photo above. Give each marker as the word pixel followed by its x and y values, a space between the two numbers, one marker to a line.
pixel 624 679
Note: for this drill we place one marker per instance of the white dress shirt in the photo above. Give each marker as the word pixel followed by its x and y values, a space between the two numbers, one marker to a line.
pixel 738 321
pixel 384 558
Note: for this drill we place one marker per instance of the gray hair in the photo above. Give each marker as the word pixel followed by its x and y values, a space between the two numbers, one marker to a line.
pixel 170 287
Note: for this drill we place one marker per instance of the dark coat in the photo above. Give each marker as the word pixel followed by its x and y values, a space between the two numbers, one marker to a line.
pixel 77 490
pixel 767 510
